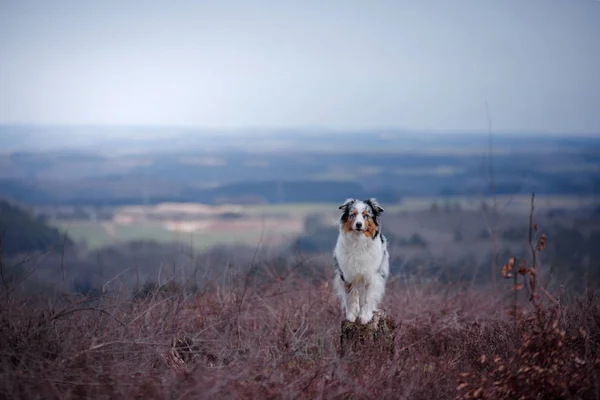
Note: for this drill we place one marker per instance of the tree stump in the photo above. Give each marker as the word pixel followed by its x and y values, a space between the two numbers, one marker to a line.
pixel 378 337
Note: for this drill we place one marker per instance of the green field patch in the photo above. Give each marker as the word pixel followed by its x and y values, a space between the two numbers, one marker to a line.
pixel 143 231
pixel 93 234
pixel 96 234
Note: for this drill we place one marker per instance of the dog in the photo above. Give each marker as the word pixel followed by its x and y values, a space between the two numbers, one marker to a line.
pixel 361 259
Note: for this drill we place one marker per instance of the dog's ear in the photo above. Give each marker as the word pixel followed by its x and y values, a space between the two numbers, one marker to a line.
pixel 375 205
pixel 347 203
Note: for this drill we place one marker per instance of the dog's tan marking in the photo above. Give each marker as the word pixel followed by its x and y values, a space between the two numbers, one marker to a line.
pixel 371 228
pixel 347 226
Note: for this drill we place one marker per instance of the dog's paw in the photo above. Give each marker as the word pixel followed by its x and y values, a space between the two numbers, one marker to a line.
pixel 365 317
pixel 351 317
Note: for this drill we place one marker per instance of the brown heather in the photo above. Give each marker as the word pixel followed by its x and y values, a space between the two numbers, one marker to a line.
pixel 555 352
pixel 283 342
pixel 277 335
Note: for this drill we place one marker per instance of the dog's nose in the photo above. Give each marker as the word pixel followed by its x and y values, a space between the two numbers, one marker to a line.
pixel 359 225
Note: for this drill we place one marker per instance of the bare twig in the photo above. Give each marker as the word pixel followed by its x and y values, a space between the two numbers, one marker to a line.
pixel 494 230
pixel 2 266
pixel 112 279
pixel 552 298
pixel 251 270
pixel 531 229
pixel 62 256
pixel 491 154
pixel 532 277
pixel 516 293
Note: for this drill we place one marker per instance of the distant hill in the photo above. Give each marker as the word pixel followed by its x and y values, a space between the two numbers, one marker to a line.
pixel 23 233
pixel 291 168
pixel 293 191
pixel 287 192
pixel 24 192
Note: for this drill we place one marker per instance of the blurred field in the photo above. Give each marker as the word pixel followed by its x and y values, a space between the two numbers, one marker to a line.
pixel 93 234
pixel 274 222
pixel 99 234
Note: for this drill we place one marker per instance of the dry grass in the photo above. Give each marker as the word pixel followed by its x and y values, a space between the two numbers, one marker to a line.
pixel 281 340
pixel 274 332
pixel 555 351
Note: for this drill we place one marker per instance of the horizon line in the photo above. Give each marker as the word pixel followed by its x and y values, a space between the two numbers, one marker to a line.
pixel 298 128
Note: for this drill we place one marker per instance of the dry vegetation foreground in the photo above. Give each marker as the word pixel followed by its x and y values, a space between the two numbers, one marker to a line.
pixel 277 335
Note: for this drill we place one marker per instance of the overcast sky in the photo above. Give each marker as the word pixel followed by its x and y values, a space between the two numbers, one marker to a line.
pixel 416 64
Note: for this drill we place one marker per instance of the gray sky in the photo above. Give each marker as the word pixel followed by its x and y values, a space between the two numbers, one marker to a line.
pixel 417 64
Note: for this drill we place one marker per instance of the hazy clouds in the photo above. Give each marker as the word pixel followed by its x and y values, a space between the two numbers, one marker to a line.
pixel 345 64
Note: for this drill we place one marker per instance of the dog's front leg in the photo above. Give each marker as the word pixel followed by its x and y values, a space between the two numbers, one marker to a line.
pixel 352 302
pixel 373 295
pixel 348 295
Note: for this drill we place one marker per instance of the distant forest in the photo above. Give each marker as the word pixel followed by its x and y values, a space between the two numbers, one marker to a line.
pixel 21 232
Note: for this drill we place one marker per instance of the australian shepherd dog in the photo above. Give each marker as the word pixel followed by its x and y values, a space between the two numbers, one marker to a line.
pixel 361 259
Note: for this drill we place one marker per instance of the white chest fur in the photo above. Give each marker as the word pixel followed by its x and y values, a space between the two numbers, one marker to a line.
pixel 358 256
